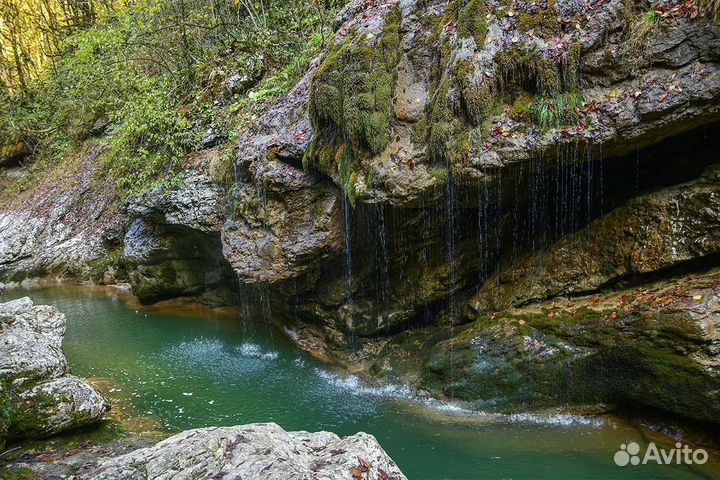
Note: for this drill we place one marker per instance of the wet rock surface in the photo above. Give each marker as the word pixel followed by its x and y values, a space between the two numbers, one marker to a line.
pixel 656 344
pixel 650 233
pixel 392 180
pixel 172 244
pixel 38 395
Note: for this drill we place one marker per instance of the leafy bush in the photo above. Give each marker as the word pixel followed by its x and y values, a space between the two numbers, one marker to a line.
pixel 149 136
pixel 152 71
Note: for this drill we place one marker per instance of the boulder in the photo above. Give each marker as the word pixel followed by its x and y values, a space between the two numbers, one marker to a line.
pixel 261 451
pixel 38 396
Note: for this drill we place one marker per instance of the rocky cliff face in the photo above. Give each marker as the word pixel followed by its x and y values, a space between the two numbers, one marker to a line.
pixel 172 243
pixel 66 226
pixel 460 136
pixel 38 397
pixel 439 162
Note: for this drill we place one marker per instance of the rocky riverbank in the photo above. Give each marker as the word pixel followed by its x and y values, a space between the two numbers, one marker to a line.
pixel 256 451
pixel 653 344
pixel 38 396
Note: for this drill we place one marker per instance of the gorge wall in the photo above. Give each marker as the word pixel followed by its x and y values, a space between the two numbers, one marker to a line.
pixel 448 163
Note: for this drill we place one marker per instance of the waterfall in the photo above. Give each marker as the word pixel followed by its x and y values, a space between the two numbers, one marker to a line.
pixel 451 205
pixel 347 212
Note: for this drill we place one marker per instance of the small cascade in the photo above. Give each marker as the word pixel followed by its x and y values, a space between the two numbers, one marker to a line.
pixel 347 212
pixel 254 300
pixel 451 237
pixel 383 276
pixel 637 168
pixel 589 187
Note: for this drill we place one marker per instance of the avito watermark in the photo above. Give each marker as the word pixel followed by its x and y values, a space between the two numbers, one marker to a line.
pixel 680 455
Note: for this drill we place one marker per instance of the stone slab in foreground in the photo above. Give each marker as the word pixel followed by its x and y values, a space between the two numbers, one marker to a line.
pixel 255 451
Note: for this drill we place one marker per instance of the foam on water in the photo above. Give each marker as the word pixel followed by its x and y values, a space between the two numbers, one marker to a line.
pixel 216 356
pixel 254 351
pixel 353 385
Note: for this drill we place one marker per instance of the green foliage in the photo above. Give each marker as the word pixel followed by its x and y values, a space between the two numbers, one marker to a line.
pixel 528 68
pixel 16 473
pixel 712 7
pixel 149 138
pixel 640 31
pixel 152 71
pixel 556 111
pixel 641 28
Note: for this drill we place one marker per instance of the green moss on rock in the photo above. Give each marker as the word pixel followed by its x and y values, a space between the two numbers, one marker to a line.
pixel 352 89
pixel 471 21
pixel 541 20
pixel 528 68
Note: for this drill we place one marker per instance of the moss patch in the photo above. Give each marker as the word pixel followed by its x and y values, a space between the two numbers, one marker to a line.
pixel 352 90
pixel 540 18
pixel 471 21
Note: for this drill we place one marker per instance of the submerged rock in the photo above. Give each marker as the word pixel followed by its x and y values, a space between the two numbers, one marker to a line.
pixel 261 451
pixel 37 395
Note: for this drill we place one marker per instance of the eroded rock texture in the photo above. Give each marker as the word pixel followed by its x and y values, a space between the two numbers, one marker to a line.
pixel 64 227
pixel 648 234
pixel 434 142
pixel 38 396
pixel 172 243
pixel 256 451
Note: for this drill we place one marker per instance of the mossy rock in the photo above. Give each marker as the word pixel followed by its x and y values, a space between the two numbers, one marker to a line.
pixel 471 21
pixel 351 95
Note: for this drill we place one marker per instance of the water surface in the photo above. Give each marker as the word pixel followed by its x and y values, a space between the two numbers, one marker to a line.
pixel 179 370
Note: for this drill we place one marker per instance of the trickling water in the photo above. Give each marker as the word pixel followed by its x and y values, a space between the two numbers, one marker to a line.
pixel 451 232
pixel 347 212
pixel 637 168
pixel 384 279
pixel 590 168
